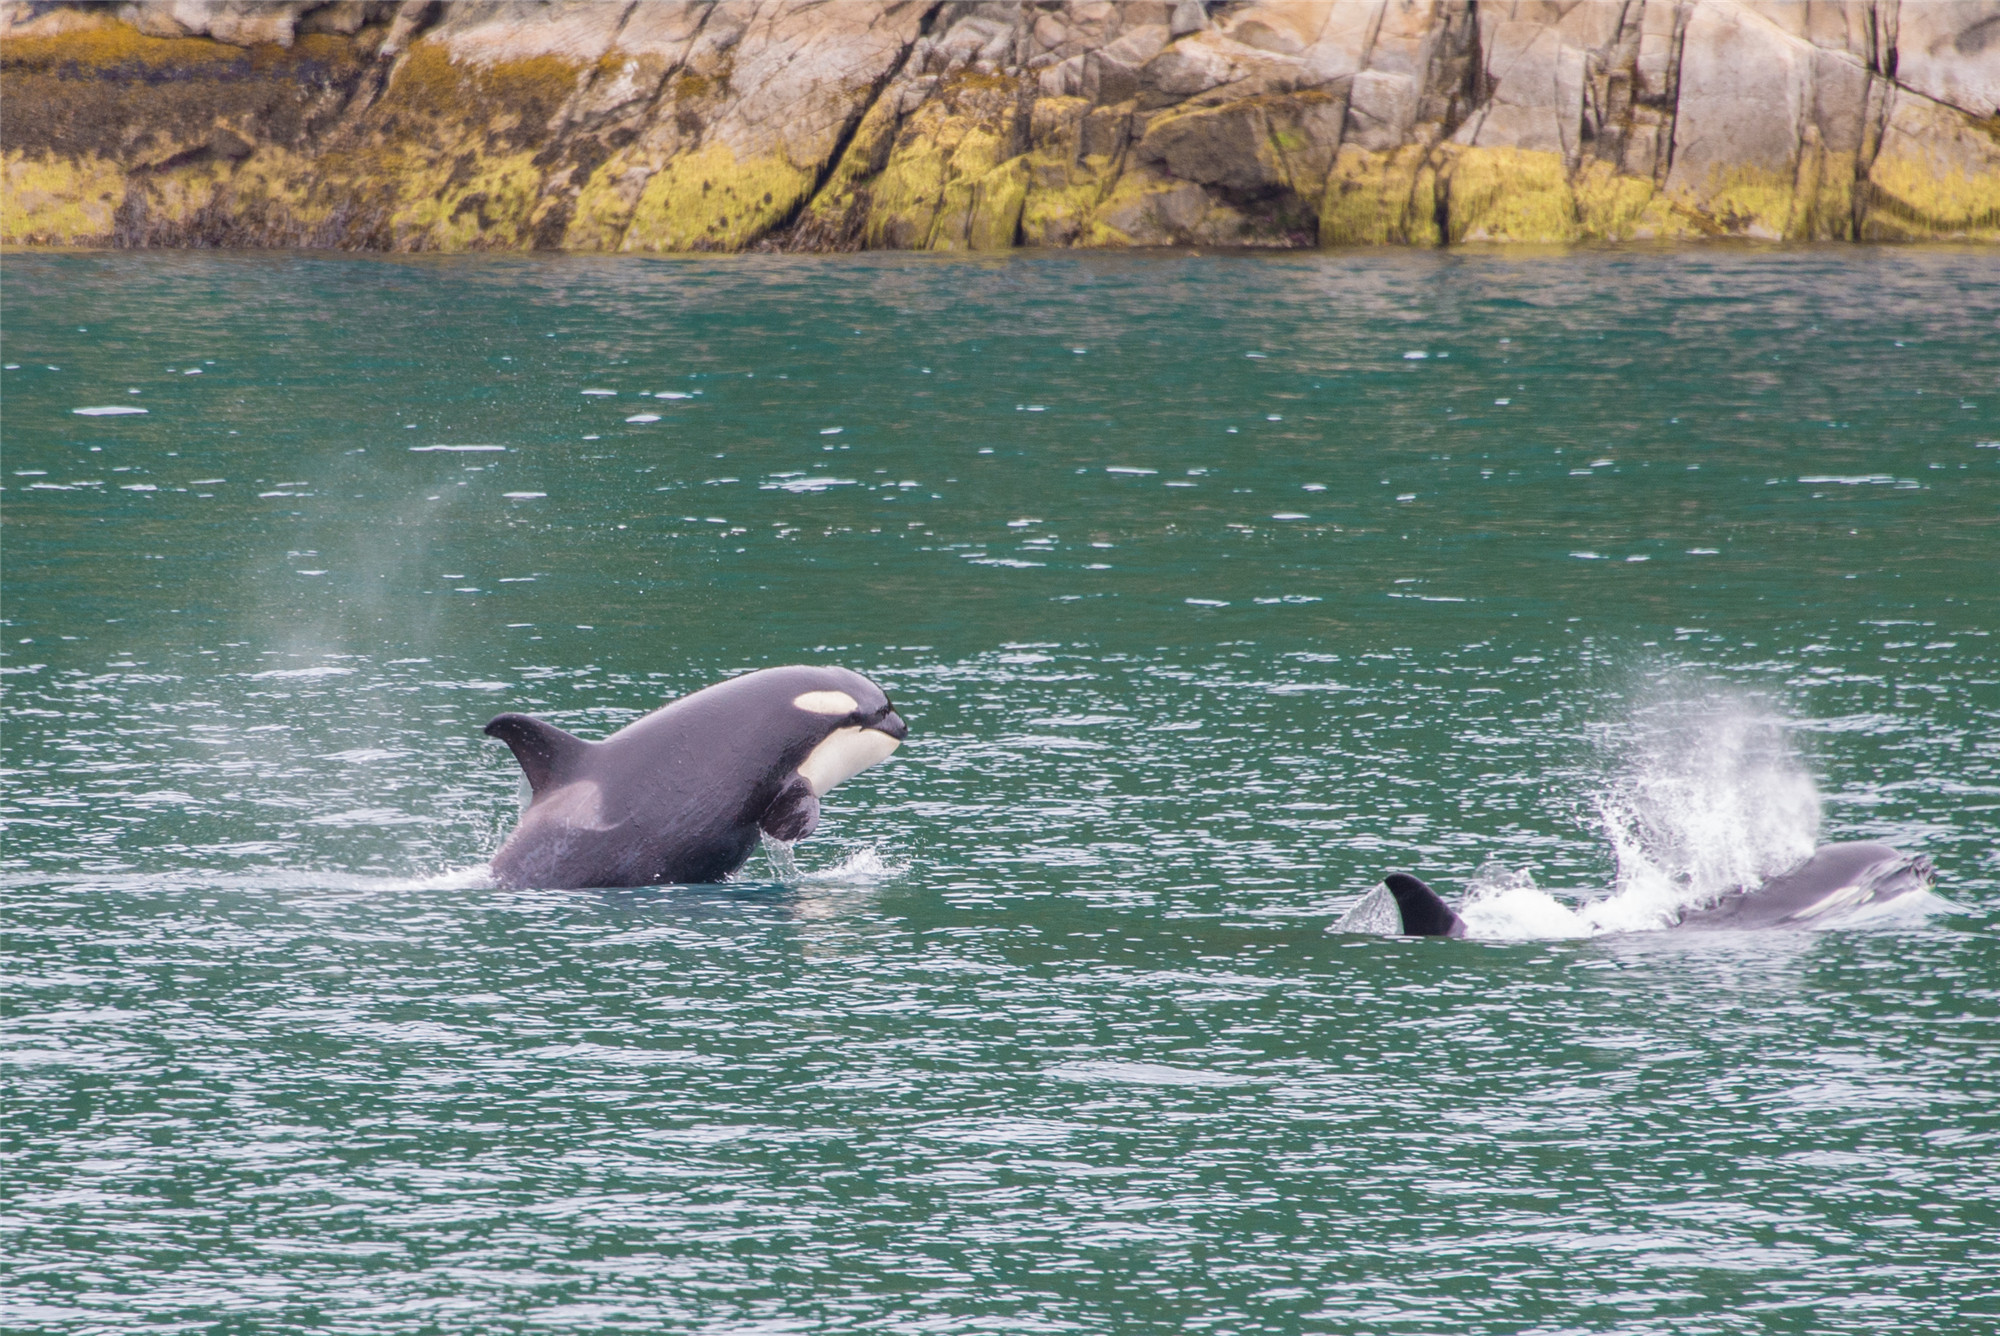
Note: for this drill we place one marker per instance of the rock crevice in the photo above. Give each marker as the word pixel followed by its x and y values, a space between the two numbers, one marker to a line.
pixel 726 125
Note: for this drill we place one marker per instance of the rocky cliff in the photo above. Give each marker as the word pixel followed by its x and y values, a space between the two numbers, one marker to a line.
pixel 837 124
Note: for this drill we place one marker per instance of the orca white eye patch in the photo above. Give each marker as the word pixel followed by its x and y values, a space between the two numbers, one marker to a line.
pixel 826 702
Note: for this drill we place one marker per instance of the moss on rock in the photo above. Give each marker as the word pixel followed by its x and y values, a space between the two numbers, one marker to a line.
pixel 57 201
pixel 1937 175
pixel 1509 194
pixel 1380 199
pixel 710 200
pixel 115 137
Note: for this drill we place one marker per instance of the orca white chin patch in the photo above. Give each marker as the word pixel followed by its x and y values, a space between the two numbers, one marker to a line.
pixel 826 702
pixel 845 753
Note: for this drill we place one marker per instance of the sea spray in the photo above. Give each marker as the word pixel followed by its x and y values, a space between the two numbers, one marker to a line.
pixel 861 867
pixel 866 866
pixel 1711 797
pixel 1705 795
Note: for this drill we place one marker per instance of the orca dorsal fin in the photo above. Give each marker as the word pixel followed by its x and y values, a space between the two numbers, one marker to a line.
pixel 544 751
pixel 1425 914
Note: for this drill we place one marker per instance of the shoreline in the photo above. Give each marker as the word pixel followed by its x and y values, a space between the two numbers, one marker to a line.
pixel 672 128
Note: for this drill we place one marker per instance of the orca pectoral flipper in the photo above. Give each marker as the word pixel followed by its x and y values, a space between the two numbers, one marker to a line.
pixel 793 814
pixel 545 752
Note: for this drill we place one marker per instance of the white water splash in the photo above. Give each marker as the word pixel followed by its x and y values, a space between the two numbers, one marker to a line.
pixel 1708 796
pixel 477 877
pixel 1503 903
pixel 1712 797
pixel 864 867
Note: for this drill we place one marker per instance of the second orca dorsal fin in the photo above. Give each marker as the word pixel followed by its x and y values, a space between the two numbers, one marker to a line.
pixel 1425 914
pixel 544 751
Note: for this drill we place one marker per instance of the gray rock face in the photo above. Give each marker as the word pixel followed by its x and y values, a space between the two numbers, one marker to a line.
pixel 813 124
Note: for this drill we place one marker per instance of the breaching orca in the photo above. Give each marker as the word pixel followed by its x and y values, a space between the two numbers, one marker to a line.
pixel 1836 879
pixel 680 795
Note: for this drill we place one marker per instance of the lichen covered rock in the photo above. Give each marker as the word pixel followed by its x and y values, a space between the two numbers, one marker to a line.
pixel 677 125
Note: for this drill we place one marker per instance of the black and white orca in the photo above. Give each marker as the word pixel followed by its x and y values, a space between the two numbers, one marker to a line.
pixel 682 794
pixel 1836 880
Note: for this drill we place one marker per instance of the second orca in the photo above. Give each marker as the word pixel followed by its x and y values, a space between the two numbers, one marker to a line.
pixel 1836 880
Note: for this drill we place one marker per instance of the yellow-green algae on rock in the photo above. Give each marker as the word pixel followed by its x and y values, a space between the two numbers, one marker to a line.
pixel 711 200
pixel 1380 199
pixel 679 126
pixel 933 191
pixel 53 200
pixel 1934 177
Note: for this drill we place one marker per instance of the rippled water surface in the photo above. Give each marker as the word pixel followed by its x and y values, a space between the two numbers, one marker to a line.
pixel 1211 588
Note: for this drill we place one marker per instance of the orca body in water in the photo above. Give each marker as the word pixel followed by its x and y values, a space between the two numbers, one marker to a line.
pixel 682 794
pixel 1836 880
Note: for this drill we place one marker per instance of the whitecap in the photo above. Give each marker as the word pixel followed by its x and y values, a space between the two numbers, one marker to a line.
pixel 456 449
pixel 109 410
pixel 523 496
pixel 606 393
pixel 644 417
pixel 1135 472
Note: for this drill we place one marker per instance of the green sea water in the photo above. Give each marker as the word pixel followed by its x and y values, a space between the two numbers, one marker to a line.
pixel 1583 585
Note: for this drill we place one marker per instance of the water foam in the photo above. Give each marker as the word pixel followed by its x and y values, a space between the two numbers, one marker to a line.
pixel 476 877
pixel 1712 797
pixel 863 867
pixel 1708 795
pixel 866 866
